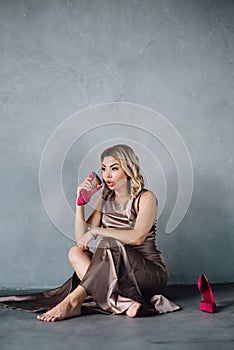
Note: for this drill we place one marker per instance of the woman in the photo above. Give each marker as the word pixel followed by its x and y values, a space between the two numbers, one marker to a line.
pixel 126 272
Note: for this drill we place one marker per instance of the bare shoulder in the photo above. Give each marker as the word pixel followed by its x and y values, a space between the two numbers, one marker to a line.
pixel 148 202
pixel 149 196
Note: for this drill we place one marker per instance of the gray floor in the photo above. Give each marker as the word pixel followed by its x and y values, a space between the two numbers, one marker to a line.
pixel 189 328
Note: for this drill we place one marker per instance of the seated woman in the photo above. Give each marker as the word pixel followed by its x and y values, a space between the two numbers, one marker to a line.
pixel 126 272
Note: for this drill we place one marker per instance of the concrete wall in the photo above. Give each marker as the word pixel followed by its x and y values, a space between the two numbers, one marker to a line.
pixel 59 57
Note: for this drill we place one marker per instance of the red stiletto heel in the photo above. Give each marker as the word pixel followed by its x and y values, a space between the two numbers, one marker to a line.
pixel 208 302
pixel 84 196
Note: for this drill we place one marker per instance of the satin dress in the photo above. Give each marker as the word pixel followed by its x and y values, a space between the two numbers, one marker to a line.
pixel 118 274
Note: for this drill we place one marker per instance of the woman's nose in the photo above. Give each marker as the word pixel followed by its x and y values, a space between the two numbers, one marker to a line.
pixel 108 173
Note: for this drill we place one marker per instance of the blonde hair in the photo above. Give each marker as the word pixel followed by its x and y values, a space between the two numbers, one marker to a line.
pixel 130 165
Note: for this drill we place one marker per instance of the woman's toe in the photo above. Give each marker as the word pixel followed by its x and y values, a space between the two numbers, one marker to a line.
pixel 41 317
pixel 48 318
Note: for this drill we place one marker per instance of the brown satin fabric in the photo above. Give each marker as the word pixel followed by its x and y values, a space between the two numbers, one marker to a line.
pixel 127 272
pixel 118 274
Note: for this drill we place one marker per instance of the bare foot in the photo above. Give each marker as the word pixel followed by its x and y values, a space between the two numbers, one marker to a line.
pixel 63 310
pixel 132 310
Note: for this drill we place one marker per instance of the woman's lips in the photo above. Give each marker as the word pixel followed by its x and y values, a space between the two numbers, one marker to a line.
pixel 109 183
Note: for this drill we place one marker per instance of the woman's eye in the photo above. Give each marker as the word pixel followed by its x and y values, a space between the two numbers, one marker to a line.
pixel 114 168
pixel 103 169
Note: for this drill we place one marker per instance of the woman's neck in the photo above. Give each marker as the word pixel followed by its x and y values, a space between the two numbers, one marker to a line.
pixel 122 196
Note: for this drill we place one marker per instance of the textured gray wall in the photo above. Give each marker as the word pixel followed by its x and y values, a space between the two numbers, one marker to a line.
pixel 58 57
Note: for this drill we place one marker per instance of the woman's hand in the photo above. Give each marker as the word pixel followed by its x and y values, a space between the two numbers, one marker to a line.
pixel 86 185
pixel 84 240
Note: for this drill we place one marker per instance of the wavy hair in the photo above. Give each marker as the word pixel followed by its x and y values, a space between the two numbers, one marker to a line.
pixel 130 165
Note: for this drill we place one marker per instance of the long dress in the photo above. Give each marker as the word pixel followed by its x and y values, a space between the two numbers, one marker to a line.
pixel 118 273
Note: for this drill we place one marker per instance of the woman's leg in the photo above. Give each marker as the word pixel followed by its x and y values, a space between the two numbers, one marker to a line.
pixel 150 277
pixel 119 278
pixel 71 305
pixel 80 260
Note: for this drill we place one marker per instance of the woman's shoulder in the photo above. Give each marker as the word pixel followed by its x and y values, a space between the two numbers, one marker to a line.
pixel 143 195
pixel 145 192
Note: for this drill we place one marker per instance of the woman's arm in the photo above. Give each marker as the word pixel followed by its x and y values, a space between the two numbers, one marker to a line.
pixel 81 225
pixel 144 221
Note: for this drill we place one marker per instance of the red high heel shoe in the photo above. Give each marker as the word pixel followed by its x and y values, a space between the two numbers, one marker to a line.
pixel 208 302
pixel 84 196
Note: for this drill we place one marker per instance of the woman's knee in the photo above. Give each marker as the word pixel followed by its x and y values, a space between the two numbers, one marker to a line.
pixel 73 253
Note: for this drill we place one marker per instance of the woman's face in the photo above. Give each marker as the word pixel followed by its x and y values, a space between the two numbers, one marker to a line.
pixel 113 175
